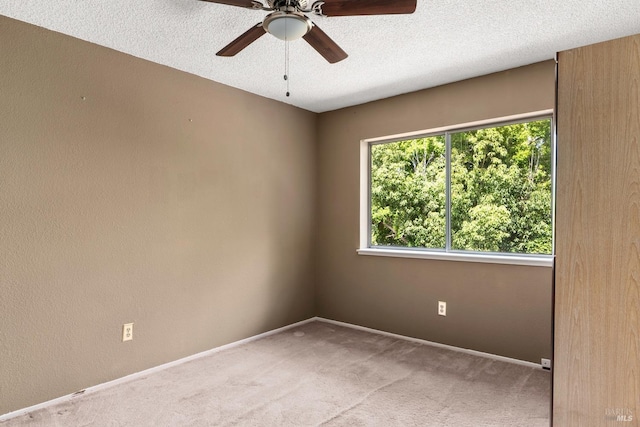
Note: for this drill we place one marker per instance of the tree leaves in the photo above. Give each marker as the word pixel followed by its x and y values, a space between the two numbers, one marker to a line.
pixel 500 190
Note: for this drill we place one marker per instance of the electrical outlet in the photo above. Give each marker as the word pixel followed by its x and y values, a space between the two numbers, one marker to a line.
pixel 127 332
pixel 442 308
pixel 546 364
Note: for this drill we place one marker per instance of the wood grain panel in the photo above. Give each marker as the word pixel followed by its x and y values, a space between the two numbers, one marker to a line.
pixel 597 326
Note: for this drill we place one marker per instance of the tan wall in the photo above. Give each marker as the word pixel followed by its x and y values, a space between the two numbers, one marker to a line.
pixel 170 201
pixel 597 334
pixel 499 309
pixel 162 199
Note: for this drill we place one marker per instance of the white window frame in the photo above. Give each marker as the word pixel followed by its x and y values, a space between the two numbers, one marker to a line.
pixel 365 247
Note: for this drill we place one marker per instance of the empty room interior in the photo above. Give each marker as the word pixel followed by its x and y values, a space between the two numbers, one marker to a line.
pixel 193 239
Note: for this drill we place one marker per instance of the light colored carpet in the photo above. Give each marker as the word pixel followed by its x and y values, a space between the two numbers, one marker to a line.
pixel 318 374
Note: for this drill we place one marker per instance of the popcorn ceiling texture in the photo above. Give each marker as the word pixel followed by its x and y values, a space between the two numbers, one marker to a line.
pixel 443 42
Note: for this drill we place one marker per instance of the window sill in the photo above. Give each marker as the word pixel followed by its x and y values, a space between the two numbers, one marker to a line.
pixel 528 260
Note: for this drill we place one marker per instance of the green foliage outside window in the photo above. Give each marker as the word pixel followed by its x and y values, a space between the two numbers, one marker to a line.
pixel 500 190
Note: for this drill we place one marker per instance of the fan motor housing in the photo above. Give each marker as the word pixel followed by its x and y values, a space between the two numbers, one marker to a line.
pixel 277 4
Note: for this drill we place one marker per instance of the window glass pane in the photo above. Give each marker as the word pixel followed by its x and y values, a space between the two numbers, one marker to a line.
pixel 408 193
pixel 501 189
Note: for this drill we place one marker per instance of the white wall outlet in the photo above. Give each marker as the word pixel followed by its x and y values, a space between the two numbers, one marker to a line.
pixel 442 308
pixel 546 363
pixel 127 332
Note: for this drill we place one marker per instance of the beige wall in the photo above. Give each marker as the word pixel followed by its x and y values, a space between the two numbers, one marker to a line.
pixel 500 309
pixel 131 192
pixel 162 199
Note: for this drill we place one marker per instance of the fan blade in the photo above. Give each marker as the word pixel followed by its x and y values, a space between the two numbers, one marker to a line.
pixel 367 7
pixel 326 47
pixel 249 4
pixel 243 41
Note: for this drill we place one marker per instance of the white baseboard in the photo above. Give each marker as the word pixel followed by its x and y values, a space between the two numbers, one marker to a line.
pixel 205 353
pixel 431 343
pixel 135 375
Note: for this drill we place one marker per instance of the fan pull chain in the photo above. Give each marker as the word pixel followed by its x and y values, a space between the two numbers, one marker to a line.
pixel 286 56
pixel 286 64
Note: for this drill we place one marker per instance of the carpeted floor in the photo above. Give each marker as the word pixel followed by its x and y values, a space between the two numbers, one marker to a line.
pixel 318 374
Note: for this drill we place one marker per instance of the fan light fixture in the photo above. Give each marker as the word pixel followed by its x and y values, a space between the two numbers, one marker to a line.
pixel 288 20
pixel 287 26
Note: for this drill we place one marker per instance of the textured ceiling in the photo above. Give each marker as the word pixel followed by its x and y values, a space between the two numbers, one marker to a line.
pixel 442 42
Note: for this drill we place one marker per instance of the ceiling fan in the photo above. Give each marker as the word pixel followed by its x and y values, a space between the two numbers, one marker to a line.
pixel 288 20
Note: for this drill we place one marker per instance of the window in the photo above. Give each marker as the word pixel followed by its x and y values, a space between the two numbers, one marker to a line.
pixel 482 190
